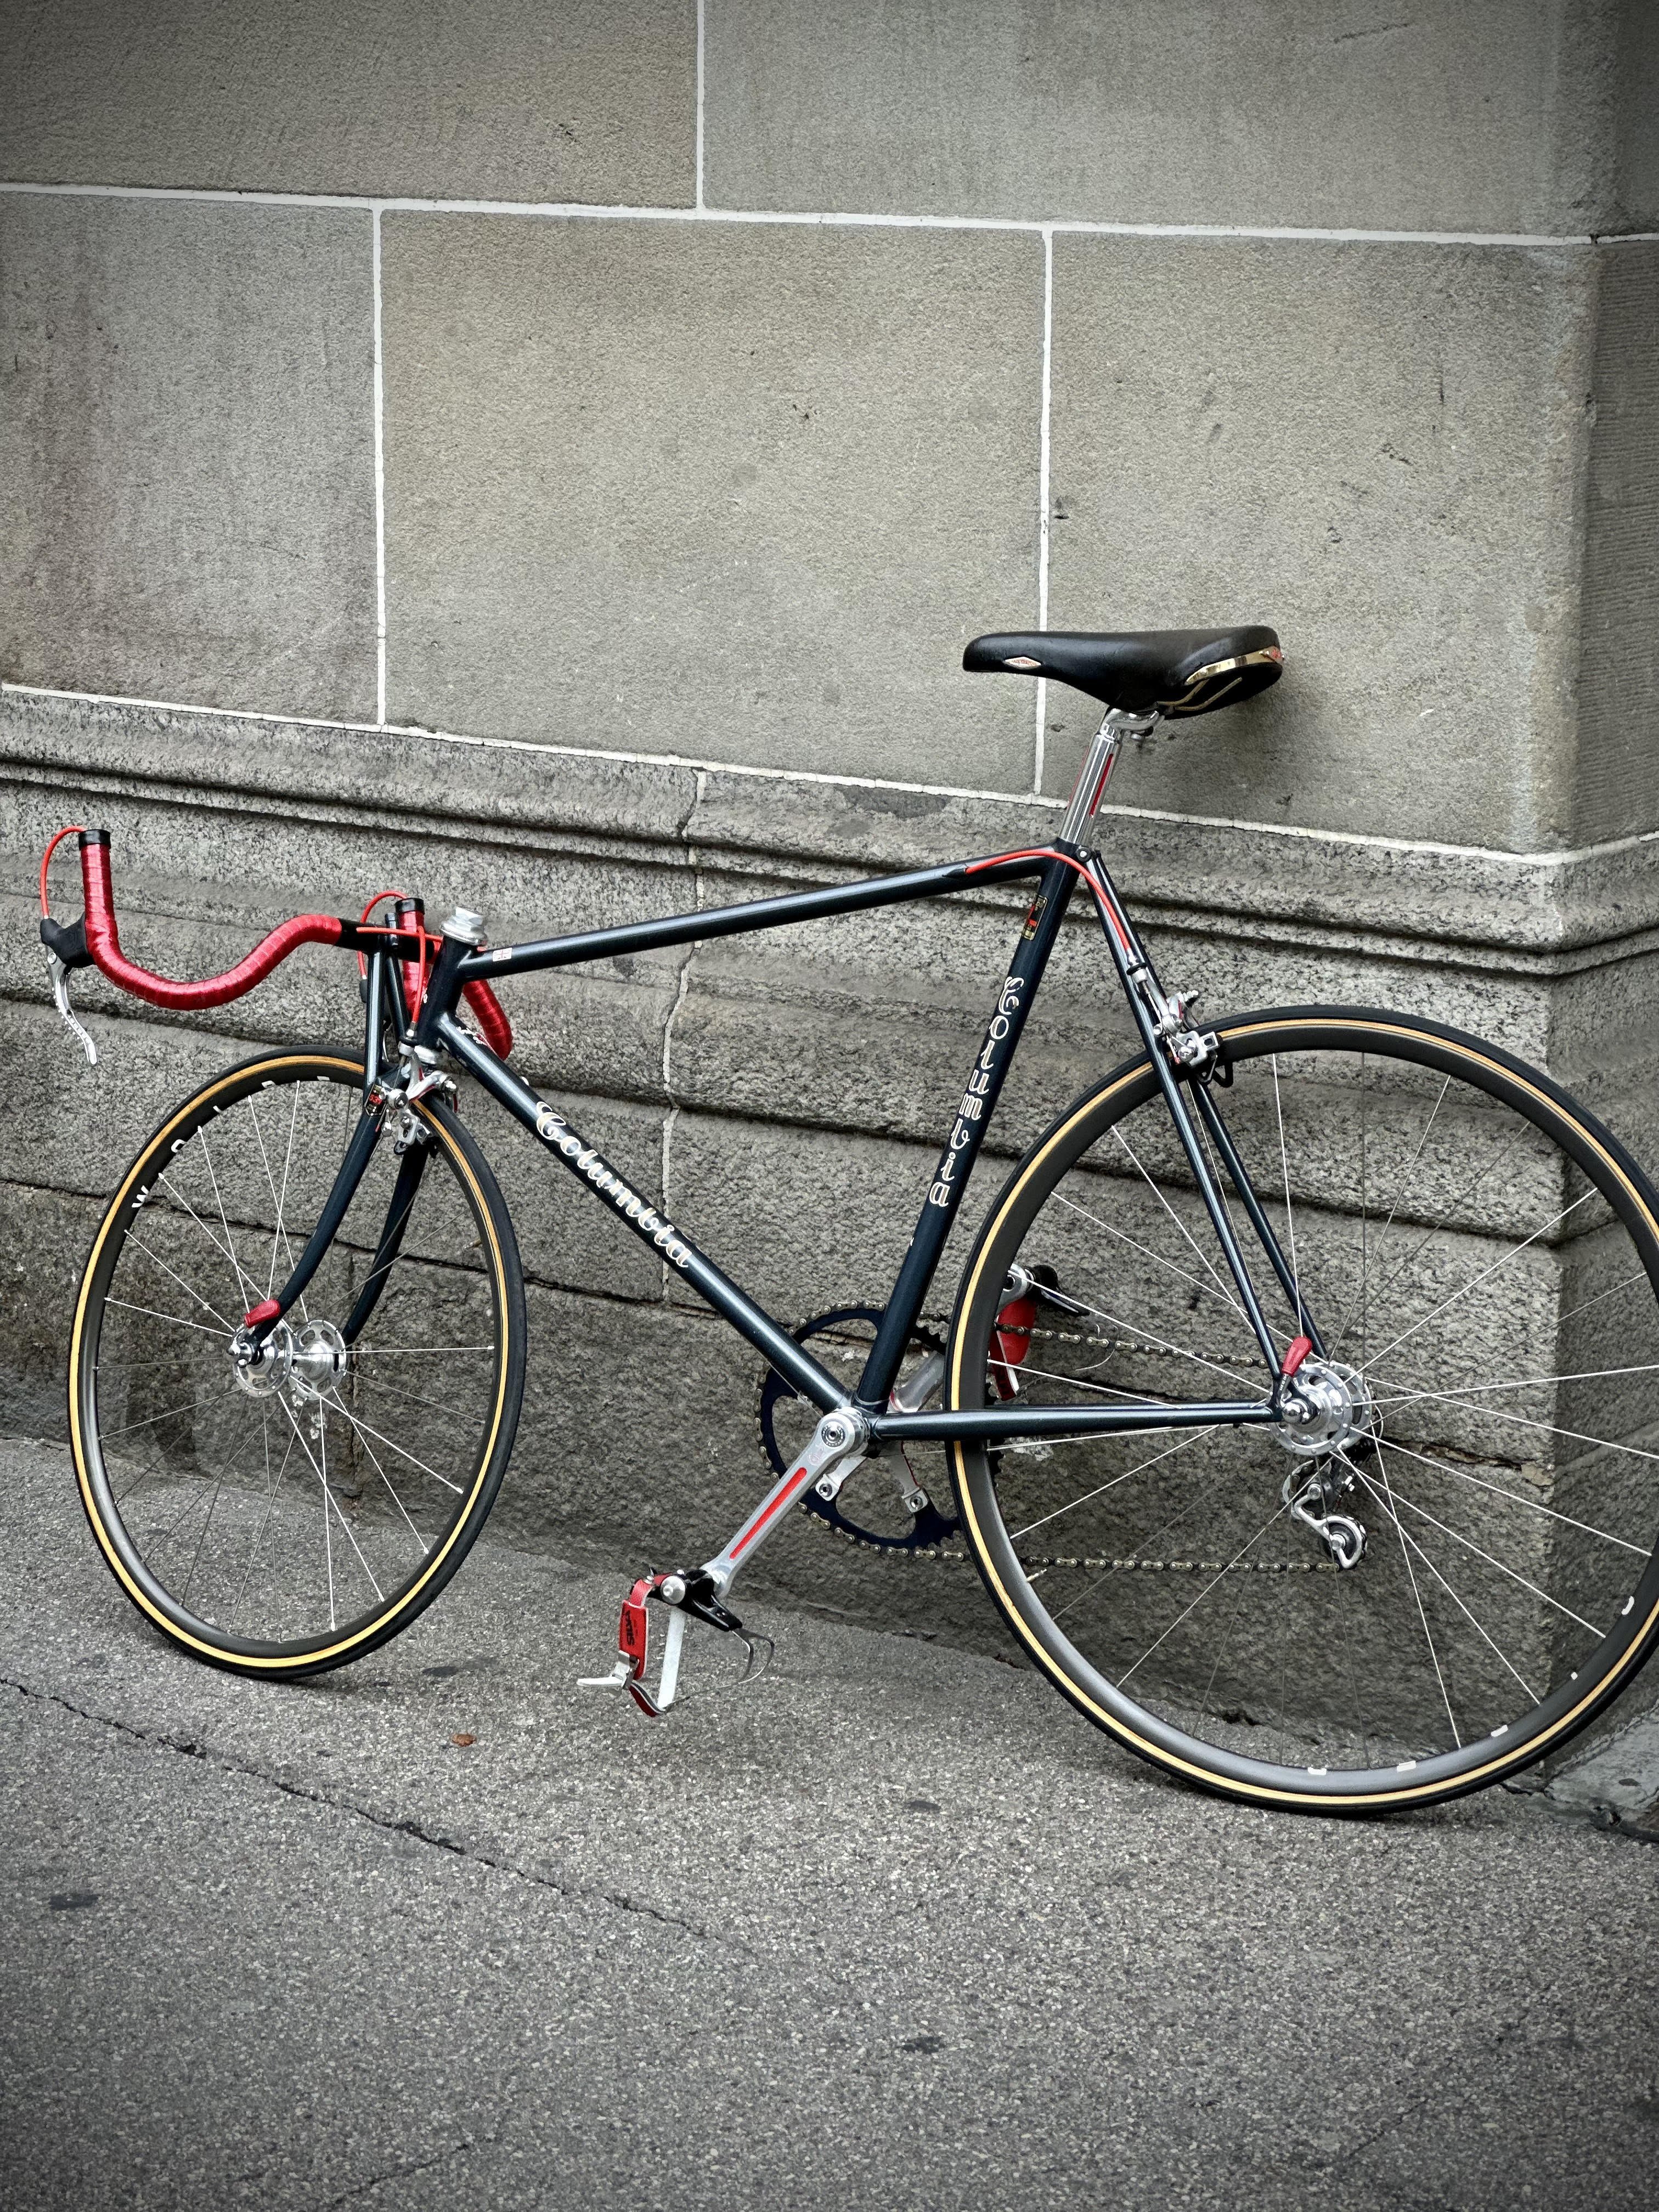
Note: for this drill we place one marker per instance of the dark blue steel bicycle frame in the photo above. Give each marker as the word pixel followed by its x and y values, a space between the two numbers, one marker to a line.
pixel 1056 870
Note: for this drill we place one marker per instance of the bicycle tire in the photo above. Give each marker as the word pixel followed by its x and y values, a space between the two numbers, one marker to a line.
pixel 1242 1751
pixel 120 1346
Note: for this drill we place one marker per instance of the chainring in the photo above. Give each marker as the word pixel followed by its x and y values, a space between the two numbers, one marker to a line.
pixel 850 1331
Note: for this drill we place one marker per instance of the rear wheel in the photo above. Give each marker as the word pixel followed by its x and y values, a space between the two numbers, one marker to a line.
pixel 1450 1566
pixel 285 1518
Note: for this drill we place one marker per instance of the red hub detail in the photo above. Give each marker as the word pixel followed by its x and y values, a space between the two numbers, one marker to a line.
pixel 1299 1349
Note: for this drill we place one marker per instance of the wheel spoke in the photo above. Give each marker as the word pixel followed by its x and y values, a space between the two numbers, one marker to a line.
pixel 1247 1546
pixel 1485 1275
pixel 1471 1238
pixel 391 1444
pixel 334 1401
pixel 193 1404
pixel 177 1319
pixel 1397 1495
pixel 1072 1503
pixel 1417 1593
pixel 319 1468
pixel 273 1484
pixel 245 1281
pixel 225 1250
pixel 1290 1218
pixel 1406 1537
pixel 1518 1497
pixel 1515 1382
pixel 1147 1252
pixel 1099 1313
pixel 141 1246
pixel 1405 1178
pixel 1203 1259
pixel 225 1462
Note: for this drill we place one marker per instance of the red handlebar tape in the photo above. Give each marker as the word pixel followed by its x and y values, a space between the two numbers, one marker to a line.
pixel 491 1016
pixel 104 943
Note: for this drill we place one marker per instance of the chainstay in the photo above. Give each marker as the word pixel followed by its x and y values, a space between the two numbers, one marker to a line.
pixel 850 1352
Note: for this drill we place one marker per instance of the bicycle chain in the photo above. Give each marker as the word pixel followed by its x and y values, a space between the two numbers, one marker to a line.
pixel 855 1355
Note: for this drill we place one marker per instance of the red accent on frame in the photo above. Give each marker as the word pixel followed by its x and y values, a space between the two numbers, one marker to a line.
pixel 408 915
pixel 267 1310
pixel 1048 852
pixel 784 1497
pixel 104 942
pixel 633 1633
pixel 634 1643
pixel 1300 1347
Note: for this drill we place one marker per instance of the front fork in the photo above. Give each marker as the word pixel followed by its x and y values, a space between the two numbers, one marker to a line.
pixel 386 1105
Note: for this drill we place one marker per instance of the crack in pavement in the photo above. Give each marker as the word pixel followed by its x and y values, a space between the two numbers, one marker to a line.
pixel 188 1747
pixel 395 2174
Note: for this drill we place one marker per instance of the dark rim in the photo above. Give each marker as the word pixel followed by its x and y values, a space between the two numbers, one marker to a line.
pixel 1309 1029
pixel 372 1627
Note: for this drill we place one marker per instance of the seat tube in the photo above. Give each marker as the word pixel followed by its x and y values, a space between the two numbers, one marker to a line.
pixel 984 1085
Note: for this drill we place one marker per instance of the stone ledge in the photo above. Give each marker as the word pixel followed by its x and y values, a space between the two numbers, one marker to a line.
pixel 1527 915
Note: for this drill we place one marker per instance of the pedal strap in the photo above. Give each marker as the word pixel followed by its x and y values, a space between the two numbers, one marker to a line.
pixel 633 1645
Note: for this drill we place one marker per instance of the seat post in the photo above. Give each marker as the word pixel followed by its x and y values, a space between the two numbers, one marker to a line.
pixel 1097 762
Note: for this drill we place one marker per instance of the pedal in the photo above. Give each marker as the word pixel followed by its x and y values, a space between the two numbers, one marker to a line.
pixel 685 1596
pixel 633 1651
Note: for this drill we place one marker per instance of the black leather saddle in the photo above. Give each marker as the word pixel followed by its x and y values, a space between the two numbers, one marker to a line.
pixel 1175 671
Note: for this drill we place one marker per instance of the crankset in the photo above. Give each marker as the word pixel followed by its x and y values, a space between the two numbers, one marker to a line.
pixel 892 1512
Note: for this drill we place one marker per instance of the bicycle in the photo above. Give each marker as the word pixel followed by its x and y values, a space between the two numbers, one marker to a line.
pixel 1297 1395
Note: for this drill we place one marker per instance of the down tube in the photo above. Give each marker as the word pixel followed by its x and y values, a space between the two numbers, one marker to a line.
pixel 973 1117
pixel 590 1167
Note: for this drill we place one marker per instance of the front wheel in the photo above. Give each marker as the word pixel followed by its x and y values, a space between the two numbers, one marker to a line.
pixel 284 1518
pixel 1449 1567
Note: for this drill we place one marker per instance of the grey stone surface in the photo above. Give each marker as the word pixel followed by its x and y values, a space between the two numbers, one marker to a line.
pixel 1378 449
pixel 186 478
pixel 739 492
pixel 1637 96
pixel 1499 116
pixel 1619 679
pixel 823 1220
pixel 450 98
pixel 853 1920
pixel 518 817
pixel 881 1012
pixel 48 1236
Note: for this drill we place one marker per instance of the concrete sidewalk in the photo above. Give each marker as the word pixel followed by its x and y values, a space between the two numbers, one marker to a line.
pixel 890 1927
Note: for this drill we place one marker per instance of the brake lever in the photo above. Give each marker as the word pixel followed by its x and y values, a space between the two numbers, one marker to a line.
pixel 59 973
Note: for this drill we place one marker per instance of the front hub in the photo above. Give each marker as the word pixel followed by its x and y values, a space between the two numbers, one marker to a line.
pixel 261 1369
pixel 321 1359
pixel 307 1363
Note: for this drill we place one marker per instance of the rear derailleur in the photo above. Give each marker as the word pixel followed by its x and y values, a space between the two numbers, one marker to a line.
pixel 1314 1499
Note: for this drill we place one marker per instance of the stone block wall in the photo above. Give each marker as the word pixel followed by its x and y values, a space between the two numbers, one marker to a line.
pixel 553 457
